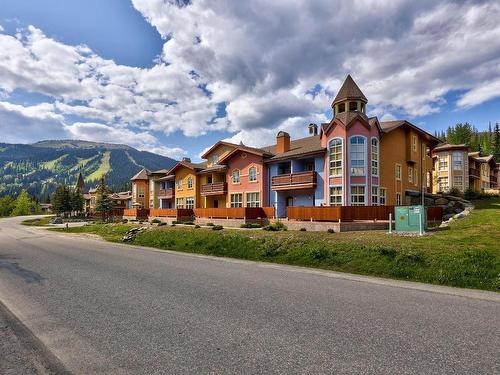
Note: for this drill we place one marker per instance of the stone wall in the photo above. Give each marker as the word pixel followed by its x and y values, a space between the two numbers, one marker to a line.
pixel 451 205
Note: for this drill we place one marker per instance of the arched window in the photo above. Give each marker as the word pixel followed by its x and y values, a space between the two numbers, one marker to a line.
pixel 252 174
pixel 335 153
pixel 357 155
pixel 236 176
pixel 374 156
pixel 190 182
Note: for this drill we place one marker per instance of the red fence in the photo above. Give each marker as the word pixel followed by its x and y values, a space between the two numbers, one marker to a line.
pixel 163 212
pixel 352 213
pixel 235 212
pixel 135 212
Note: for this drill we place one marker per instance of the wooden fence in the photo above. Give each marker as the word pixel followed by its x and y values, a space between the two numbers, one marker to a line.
pixel 163 212
pixel 351 213
pixel 235 212
pixel 136 212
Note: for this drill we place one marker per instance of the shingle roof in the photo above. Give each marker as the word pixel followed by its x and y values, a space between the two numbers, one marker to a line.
pixel 388 126
pixel 214 168
pixel 448 146
pixel 302 146
pixel 347 117
pixel 194 166
pixel 349 90
pixel 143 174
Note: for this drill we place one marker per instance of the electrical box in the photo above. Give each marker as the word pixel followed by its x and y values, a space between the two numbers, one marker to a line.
pixel 410 218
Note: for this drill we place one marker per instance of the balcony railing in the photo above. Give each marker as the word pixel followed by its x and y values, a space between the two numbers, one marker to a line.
pixel 474 172
pixel 166 193
pixel 215 188
pixel 300 180
pixel 493 180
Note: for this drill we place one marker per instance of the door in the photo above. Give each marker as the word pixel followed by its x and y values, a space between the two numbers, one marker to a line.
pixel 289 201
pixel 216 203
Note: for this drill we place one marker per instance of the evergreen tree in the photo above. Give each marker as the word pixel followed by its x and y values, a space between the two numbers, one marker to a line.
pixel 6 206
pixel 104 204
pixel 77 200
pixel 24 205
pixel 495 149
pixel 61 200
pixel 461 133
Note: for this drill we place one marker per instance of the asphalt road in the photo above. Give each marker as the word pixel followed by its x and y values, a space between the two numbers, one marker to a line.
pixel 110 308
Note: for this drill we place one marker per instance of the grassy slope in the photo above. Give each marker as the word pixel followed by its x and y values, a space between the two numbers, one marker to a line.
pixel 51 165
pixel 466 255
pixel 37 222
pixel 104 168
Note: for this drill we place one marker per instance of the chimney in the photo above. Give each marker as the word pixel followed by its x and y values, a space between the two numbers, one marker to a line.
pixel 282 142
pixel 187 160
pixel 313 129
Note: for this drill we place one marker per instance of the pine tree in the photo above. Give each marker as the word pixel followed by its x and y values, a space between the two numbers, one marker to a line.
pixel 104 204
pixel 61 200
pixel 495 148
pixel 23 205
pixel 77 201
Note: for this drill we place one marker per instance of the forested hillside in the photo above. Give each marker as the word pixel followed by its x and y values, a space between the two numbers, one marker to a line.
pixel 40 167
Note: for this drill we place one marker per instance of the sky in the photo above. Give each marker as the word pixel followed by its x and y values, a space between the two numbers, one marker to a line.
pixel 175 76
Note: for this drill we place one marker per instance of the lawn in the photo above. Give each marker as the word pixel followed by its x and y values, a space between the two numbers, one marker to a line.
pixel 467 254
pixel 38 222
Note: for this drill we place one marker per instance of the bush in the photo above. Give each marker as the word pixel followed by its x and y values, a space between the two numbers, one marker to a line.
pixel 303 229
pixel 470 194
pixel 217 227
pixel 156 221
pixel 386 251
pixel 162 224
pixel 250 225
pixel 124 221
pixel 319 253
pixel 275 227
pixel 330 230
pixel 455 192
pixel 176 222
pixel 188 223
pixel 173 225
pixel 210 224
pixel 197 226
pixel 270 249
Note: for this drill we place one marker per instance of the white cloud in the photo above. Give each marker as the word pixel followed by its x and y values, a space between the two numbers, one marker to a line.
pixel 262 58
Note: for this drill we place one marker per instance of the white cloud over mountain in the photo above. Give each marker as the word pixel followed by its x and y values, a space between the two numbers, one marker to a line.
pixel 271 64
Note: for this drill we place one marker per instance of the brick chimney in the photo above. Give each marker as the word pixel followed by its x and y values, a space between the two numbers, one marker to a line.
pixel 282 142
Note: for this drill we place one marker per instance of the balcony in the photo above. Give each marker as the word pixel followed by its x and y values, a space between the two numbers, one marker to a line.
pixel 215 188
pixel 300 180
pixel 493 180
pixel 474 173
pixel 166 193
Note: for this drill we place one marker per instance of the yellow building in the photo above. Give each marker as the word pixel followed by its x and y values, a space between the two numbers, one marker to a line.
pixel 450 168
pixel 140 189
pixel 187 183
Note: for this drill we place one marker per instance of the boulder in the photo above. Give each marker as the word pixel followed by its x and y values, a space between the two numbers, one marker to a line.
pixel 460 215
pixel 453 198
pixel 441 201
pixel 57 220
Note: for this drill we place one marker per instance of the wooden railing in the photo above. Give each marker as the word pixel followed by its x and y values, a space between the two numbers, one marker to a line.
pixel 235 213
pixel 163 212
pixel 214 188
pixel 136 212
pixel 474 172
pixel 297 180
pixel 493 180
pixel 351 213
pixel 166 193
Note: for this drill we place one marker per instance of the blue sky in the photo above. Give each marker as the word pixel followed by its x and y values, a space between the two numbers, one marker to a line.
pixel 174 79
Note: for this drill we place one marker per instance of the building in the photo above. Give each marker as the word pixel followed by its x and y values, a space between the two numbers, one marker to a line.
pixel 187 183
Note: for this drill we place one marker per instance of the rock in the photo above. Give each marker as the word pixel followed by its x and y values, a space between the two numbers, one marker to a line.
pixel 444 224
pixel 428 201
pixel 458 210
pixel 57 220
pixel 460 215
pixel 449 211
pixel 458 204
pixel 447 217
pixel 441 201
pixel 453 198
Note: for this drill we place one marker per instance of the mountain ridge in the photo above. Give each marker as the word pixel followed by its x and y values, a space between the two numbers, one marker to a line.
pixel 41 166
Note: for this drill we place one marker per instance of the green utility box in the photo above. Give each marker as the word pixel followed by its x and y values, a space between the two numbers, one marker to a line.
pixel 408 218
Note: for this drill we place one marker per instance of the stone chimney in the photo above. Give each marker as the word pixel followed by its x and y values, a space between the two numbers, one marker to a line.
pixel 313 129
pixel 282 142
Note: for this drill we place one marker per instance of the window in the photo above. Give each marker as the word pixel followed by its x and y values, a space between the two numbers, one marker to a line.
pixel 190 182
pixel 236 176
pixel 357 195
pixel 398 199
pixel 382 196
pixel 353 106
pixel 374 155
pixel 134 190
pixel 357 149
pixel 215 159
pixel 443 162
pixel 336 157
pixel 442 183
pixel 179 203
pixel 374 195
pixel 414 143
pixel 457 182
pixel 179 184
pixel 341 107
pixel 252 174
pixel 141 193
pixel 457 161
pixel 410 174
pixel 253 199
pixel 336 196
pixel 236 200
pixel 190 202
pixel 415 176
pixel 397 171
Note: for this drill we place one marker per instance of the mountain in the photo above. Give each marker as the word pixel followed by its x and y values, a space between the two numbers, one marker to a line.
pixel 41 166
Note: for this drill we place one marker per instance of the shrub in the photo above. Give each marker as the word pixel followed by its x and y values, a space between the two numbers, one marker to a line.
pixel 319 253
pixel 470 194
pixel 217 227
pixel 210 224
pixel 156 221
pixel 124 221
pixel 173 225
pixel 197 226
pixel 303 229
pixel 176 222
pixel 162 224
pixel 250 225
pixel 455 192
pixel 188 223
pixel 386 251
pixel 270 249
pixel 330 230
pixel 275 227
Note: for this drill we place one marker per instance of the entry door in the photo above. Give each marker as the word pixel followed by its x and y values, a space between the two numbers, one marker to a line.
pixel 216 203
pixel 289 201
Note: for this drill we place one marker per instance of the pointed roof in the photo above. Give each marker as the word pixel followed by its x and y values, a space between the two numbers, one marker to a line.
pixel 80 183
pixel 349 91
pixel 143 174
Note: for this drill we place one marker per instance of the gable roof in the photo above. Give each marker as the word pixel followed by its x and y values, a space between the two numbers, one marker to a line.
pixel 298 147
pixel 448 146
pixel 346 118
pixel 349 90
pixel 243 148
pixel 219 143
pixel 143 174
pixel 388 126
pixel 196 167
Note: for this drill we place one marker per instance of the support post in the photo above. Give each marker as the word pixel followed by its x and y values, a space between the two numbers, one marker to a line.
pixel 390 223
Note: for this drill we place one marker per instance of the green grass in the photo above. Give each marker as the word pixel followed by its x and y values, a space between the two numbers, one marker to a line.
pixel 39 222
pixel 104 168
pixel 51 164
pixel 465 255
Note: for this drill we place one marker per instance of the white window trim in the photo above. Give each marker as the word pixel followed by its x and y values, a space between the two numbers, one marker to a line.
pixel 239 176
pixel 378 157
pixel 341 157
pixel 358 185
pixel 341 195
pixel 364 153
pixel 378 195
